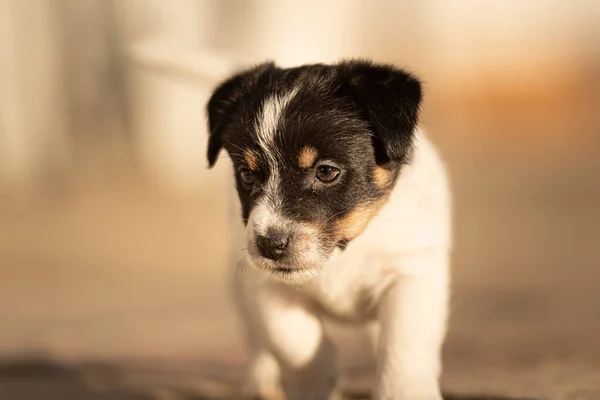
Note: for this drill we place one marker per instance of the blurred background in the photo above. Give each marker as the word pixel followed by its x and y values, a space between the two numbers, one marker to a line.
pixel 113 233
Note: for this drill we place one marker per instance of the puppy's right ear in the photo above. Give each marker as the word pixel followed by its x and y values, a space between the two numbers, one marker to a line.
pixel 224 102
pixel 389 99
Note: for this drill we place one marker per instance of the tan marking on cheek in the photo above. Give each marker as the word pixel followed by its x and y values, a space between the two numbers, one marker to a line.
pixel 355 223
pixel 307 157
pixel 382 177
pixel 251 160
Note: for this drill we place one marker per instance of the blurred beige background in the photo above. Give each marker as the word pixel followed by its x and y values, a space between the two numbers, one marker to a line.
pixel 113 234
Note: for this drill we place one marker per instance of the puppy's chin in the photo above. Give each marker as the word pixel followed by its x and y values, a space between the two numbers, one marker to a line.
pixel 293 271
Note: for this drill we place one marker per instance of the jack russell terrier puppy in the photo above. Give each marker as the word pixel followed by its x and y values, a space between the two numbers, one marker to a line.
pixel 347 215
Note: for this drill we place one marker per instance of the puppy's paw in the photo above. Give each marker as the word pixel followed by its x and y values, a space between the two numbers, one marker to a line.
pixel 416 391
pixel 263 379
pixel 315 395
pixel 257 391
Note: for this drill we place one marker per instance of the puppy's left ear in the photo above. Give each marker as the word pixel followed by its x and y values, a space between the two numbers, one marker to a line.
pixel 389 99
pixel 224 102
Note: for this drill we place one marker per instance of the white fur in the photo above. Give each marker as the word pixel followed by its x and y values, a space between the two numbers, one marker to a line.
pixel 395 273
pixel 266 124
pixel 270 116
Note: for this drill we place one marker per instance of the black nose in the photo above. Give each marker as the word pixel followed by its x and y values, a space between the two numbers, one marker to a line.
pixel 273 245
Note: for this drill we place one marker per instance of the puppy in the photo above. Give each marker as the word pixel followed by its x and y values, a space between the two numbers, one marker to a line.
pixel 346 210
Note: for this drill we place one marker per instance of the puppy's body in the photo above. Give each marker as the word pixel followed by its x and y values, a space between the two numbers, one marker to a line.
pixel 383 258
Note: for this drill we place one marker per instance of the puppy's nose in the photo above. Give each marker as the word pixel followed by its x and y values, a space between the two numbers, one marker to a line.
pixel 274 244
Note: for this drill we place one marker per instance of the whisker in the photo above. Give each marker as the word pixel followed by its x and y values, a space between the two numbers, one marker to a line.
pixel 238 147
pixel 333 216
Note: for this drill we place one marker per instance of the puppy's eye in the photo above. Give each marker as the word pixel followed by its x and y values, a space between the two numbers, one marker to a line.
pixel 248 177
pixel 327 173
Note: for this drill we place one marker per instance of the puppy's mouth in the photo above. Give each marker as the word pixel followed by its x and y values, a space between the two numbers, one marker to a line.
pixel 296 267
pixel 342 244
pixel 291 274
pixel 287 265
pixel 284 270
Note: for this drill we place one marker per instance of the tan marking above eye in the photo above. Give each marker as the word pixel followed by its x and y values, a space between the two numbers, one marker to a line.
pixel 382 177
pixel 251 160
pixel 307 157
pixel 356 221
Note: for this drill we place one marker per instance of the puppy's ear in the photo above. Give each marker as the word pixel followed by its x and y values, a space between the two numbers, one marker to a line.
pixel 224 103
pixel 389 99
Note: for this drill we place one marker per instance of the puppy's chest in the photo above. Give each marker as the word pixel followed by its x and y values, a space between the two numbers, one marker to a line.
pixel 350 291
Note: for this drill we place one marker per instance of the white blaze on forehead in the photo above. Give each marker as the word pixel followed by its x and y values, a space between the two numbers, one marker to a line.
pixel 269 117
pixel 266 123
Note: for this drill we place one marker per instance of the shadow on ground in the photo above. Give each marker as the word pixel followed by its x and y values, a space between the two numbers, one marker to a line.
pixel 41 379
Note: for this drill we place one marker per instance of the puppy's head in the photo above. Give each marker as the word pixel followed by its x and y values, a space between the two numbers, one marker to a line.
pixel 316 150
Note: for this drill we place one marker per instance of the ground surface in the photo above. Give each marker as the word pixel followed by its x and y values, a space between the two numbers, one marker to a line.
pixel 108 291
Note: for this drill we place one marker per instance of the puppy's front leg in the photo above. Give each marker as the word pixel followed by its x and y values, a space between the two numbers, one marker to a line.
pixel 412 316
pixel 308 360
